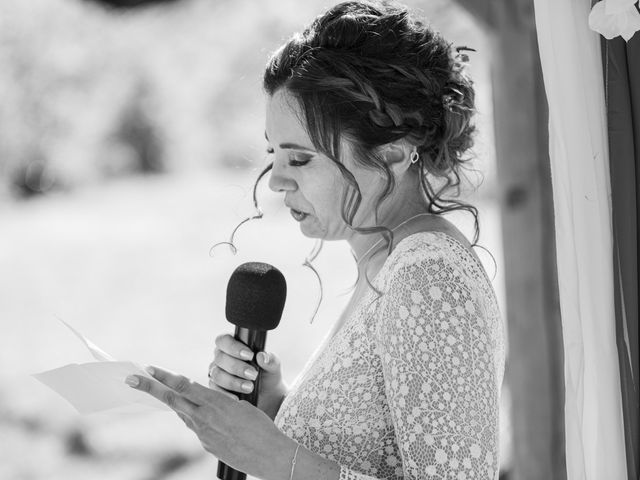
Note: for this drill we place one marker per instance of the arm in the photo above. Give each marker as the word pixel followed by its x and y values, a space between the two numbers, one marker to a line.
pixel 311 466
pixel 270 404
pixel 440 380
pixel 437 357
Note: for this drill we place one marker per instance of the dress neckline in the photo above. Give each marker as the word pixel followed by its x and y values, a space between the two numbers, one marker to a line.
pixel 452 239
pixel 335 330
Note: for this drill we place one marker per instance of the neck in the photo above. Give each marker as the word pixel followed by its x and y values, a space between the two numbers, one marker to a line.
pixel 397 211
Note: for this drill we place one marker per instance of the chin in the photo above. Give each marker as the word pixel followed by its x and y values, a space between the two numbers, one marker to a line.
pixel 316 230
pixel 311 232
pixel 312 228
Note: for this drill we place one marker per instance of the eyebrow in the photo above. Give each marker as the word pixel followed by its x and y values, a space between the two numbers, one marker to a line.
pixel 291 146
pixel 295 146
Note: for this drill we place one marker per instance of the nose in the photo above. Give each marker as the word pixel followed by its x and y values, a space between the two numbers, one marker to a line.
pixel 280 180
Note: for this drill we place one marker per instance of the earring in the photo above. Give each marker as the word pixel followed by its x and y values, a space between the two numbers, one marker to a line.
pixel 415 156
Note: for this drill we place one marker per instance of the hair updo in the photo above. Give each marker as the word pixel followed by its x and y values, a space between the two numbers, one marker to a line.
pixel 371 73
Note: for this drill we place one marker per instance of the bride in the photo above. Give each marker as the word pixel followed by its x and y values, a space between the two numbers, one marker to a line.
pixel 368 120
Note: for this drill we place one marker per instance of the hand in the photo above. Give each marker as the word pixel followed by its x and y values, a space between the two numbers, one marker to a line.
pixel 230 370
pixel 234 431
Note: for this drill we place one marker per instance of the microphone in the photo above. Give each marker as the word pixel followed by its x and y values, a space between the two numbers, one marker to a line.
pixel 256 293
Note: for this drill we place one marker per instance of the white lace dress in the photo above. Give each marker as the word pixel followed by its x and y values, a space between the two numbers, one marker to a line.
pixel 409 385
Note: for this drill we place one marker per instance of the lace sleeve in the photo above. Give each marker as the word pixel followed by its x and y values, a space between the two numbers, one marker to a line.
pixel 439 372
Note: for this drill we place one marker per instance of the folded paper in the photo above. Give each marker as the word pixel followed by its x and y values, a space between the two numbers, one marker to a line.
pixel 98 386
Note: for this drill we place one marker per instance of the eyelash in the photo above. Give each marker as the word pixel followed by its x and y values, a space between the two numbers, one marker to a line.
pixel 292 161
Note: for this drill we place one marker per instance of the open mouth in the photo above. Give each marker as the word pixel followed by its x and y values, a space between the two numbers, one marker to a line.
pixel 298 215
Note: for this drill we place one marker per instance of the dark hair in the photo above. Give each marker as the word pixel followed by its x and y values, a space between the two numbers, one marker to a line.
pixel 371 73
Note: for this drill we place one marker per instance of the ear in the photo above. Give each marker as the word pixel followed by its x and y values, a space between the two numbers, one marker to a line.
pixel 397 157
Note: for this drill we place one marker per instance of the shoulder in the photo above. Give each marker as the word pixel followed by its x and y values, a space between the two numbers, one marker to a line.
pixel 437 231
pixel 427 257
pixel 438 223
pixel 419 256
pixel 430 235
pixel 433 240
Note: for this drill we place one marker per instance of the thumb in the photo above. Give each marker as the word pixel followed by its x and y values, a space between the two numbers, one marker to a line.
pixel 269 362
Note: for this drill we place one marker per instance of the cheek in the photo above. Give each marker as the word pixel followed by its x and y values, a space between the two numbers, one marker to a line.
pixel 323 192
pixel 330 199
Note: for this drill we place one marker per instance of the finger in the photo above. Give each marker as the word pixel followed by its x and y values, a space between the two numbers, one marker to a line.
pixel 233 347
pixel 169 397
pixel 268 361
pixel 187 421
pixel 215 387
pixel 192 391
pixel 230 382
pixel 219 389
pixel 233 366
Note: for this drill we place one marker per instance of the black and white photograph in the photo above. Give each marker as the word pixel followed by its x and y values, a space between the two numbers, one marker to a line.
pixel 319 240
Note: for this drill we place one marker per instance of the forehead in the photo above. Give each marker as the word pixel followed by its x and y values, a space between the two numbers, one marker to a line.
pixel 284 124
pixel 284 119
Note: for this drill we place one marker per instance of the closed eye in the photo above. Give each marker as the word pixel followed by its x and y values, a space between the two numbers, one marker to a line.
pixel 295 159
pixel 299 160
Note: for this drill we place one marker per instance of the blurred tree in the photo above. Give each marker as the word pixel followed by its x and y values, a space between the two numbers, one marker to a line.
pixel 27 118
pixel 136 137
pixel 32 176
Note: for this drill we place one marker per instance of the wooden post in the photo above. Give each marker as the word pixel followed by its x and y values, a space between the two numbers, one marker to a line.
pixel 535 360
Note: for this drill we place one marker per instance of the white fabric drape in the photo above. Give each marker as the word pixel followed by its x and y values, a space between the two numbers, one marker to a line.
pixel 572 69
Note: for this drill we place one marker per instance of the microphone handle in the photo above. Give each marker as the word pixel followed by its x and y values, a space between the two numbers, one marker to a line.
pixel 255 340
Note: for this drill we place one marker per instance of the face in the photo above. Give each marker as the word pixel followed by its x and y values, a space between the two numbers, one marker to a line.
pixel 312 183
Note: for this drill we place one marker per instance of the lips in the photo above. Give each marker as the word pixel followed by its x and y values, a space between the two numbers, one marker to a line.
pixel 295 210
pixel 298 216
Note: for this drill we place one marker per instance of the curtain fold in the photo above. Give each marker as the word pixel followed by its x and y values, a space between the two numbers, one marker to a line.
pixel 578 148
pixel 621 63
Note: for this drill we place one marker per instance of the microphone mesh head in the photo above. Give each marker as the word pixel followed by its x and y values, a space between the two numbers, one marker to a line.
pixel 255 296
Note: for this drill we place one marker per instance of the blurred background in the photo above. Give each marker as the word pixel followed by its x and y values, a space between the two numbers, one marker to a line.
pixel 130 139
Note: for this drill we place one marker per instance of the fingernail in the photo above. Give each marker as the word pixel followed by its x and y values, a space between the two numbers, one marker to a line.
pixel 247 354
pixel 265 357
pixel 250 373
pixel 132 381
pixel 150 370
pixel 247 386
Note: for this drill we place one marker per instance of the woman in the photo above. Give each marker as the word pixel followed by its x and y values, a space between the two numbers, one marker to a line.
pixel 368 118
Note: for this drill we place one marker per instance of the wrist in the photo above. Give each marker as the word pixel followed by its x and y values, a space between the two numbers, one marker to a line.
pixel 271 404
pixel 310 465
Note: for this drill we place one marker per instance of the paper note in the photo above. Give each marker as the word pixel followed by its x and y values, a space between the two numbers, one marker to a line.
pixel 97 352
pixel 98 386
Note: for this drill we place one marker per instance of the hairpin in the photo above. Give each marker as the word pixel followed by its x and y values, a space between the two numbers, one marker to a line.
pixel 463 57
pixel 449 99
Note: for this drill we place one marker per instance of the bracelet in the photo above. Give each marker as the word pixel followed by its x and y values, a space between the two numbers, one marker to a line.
pixel 293 462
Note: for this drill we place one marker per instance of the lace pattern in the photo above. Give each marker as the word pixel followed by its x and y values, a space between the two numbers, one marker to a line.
pixel 409 385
